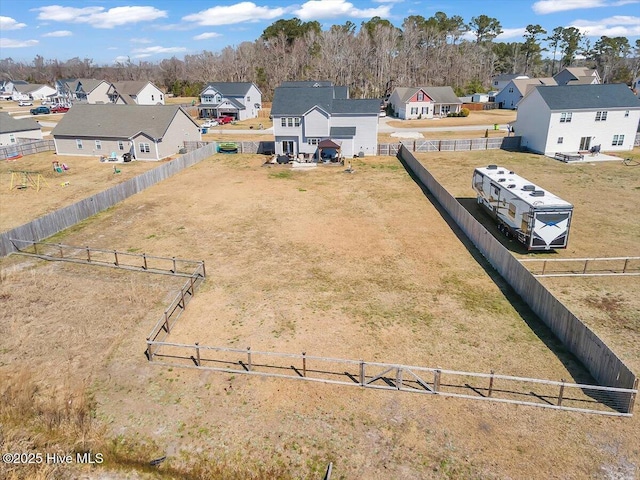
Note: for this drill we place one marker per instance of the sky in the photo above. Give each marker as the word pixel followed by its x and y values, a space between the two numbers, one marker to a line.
pixel 109 31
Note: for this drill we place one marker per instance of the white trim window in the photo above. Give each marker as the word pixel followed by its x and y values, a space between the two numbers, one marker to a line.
pixel 121 145
pixel 12 138
pixel 79 143
pixel 414 110
pixel 421 96
pixel 144 147
pixel 313 141
pixel 560 140
pixel 98 145
pixel 565 117
pixel 290 121
pixel 626 113
pixel 601 116
pixel 618 140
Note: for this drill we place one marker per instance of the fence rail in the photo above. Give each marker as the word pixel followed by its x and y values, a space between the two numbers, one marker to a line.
pixel 26 147
pixel 110 258
pixel 559 395
pixel 584 267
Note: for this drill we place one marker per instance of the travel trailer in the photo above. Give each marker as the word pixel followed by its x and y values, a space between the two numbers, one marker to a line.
pixel 535 217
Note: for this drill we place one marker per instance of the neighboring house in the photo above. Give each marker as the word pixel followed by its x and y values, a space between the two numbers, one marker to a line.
pixel 240 100
pixel 83 90
pixel 500 81
pixel 8 89
pixel 575 118
pixel 577 76
pixel 636 87
pixel 12 130
pixel 480 97
pixel 150 132
pixel 516 89
pixel 33 91
pixel 424 102
pixel 312 116
pixel 134 92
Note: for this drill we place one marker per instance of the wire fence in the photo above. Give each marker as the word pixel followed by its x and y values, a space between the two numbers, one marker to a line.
pixel 559 395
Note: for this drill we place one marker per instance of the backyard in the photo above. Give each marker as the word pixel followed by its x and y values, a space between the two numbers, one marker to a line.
pixel 356 266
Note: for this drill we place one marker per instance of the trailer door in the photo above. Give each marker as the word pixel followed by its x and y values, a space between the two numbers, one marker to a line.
pixel 550 229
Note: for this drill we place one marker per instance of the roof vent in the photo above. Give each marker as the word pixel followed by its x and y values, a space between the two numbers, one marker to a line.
pixel 511 172
pixel 492 167
pixel 511 185
pixel 537 193
pixel 502 180
pixel 500 172
pixel 528 188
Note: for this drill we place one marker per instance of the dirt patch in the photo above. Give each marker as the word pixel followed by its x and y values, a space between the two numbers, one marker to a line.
pixel 355 265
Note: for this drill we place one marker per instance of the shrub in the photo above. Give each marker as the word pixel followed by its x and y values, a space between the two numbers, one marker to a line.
pixel 464 112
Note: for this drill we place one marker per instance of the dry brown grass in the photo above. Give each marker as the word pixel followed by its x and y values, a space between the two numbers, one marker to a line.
pixel 481 117
pixel 354 266
pixel 86 176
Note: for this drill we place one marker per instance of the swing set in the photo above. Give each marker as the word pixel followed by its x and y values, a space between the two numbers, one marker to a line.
pixel 22 179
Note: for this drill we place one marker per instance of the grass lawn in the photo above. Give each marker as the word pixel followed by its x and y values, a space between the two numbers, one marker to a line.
pixel 353 266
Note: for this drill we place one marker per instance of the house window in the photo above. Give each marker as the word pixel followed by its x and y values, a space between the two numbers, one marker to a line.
pixel 560 140
pixel 313 141
pixel 161 99
pixel 565 117
pixel 617 140
pixel 626 113
pixel 425 110
pixel 290 121
pixel 248 99
pixel 98 145
pixel 79 144
pixel 601 116
pixel 421 96
pixel 120 145
pixel 152 98
pixel 207 99
pixel 12 138
pixel 511 90
pixel 144 147
pixel 414 110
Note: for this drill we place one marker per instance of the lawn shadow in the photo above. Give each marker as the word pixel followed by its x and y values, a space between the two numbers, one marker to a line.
pixel 577 370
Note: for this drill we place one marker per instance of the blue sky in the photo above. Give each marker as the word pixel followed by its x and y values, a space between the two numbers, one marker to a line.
pixel 113 30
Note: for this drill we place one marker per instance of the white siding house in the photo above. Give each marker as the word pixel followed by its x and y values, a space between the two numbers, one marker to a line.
pixel 516 89
pixel 308 115
pixel 240 100
pixel 575 118
pixel 134 92
pixel 13 130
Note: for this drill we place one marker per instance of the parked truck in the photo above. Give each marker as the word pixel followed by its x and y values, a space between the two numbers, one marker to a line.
pixel 533 216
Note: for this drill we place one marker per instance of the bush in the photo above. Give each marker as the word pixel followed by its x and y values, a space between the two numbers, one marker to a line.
pixel 464 112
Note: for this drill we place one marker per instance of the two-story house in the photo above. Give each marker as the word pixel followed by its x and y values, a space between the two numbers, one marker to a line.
pixel 424 102
pixel 516 89
pixel 574 118
pixel 577 76
pixel 83 90
pixel 239 100
pixel 306 114
pixel 500 81
pixel 135 93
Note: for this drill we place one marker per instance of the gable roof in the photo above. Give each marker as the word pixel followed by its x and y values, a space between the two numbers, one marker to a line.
pixel 8 124
pixel 437 94
pixel 88 84
pixel 117 121
pixel 130 87
pixel 523 85
pixel 505 77
pixel 232 89
pixel 29 87
pixel 574 97
pixel 299 99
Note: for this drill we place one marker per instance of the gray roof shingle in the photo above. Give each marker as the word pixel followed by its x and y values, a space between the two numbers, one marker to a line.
pixel 116 121
pixel 8 124
pixel 233 89
pixel 297 100
pixel 573 97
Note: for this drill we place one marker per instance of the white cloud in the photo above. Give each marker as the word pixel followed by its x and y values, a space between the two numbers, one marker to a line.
pixel 206 36
pixel 616 26
pixel 98 17
pixel 58 33
pixel 320 9
pixel 121 59
pixel 8 23
pixel 148 51
pixel 9 43
pixel 543 7
pixel 238 13
pixel 508 33
pixel 141 40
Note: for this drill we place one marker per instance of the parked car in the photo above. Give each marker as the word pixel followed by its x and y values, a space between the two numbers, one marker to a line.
pixel 210 123
pixel 40 110
pixel 25 103
pixel 59 109
pixel 224 120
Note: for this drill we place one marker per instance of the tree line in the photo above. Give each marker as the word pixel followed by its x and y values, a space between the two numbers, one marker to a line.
pixel 371 60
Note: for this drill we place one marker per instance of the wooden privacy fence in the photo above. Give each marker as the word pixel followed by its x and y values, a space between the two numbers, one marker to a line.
pixel 24 148
pixel 140 262
pixel 603 364
pixel 559 395
pixel 54 222
pixel 583 267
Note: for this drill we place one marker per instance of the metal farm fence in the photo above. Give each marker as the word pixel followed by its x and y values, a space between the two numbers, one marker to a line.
pixel 558 395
